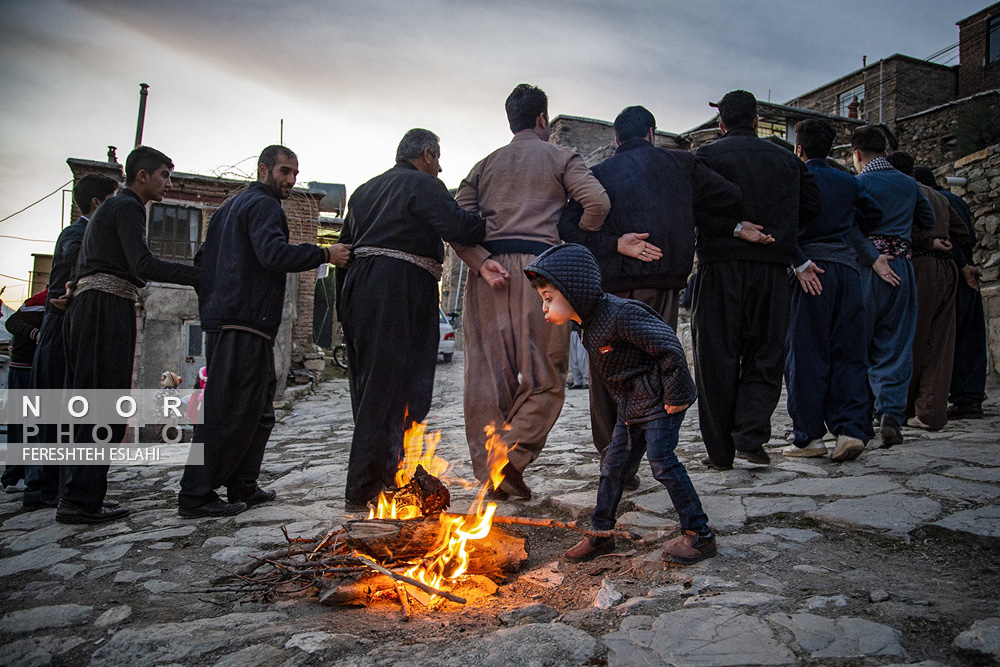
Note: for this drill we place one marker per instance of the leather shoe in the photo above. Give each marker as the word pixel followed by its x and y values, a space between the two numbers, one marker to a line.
pixel 590 548
pixel 216 508
pixel 974 411
pixel 69 514
pixel 32 502
pixel 847 449
pixel 707 461
pixel 632 484
pixel 758 456
pixel 513 483
pixel 689 548
pixel 891 435
pixel 257 497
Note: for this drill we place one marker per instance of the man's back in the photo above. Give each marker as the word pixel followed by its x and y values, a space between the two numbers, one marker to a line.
pixel 777 190
pixel 899 197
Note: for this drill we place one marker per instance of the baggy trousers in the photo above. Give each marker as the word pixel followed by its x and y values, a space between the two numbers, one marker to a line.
pixel 390 317
pixel 238 411
pixel 99 335
pixel 890 323
pixel 17 378
pixel 825 371
pixel 933 340
pixel 968 376
pixel 48 371
pixel 603 407
pixel 515 366
pixel 739 325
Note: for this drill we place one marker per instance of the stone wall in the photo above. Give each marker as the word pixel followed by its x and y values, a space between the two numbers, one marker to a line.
pixel 932 137
pixel 982 193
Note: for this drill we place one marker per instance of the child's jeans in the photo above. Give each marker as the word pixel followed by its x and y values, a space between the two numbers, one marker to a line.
pixel 658 439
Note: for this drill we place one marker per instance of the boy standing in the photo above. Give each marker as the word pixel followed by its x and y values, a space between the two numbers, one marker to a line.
pixel 643 365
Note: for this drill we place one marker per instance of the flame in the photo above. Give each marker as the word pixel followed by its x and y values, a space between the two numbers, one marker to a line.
pixel 451 557
pixel 496 453
pixel 418 449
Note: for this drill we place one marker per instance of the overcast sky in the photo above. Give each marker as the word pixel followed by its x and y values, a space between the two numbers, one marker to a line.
pixel 350 77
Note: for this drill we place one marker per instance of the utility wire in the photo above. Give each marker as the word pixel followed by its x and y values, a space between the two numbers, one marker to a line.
pixel 21 238
pixel 59 189
pixel 20 280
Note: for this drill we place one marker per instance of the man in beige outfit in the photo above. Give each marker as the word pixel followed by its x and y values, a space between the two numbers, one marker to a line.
pixel 515 364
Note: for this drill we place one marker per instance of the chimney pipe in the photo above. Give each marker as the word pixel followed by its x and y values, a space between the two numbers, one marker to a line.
pixel 143 92
pixel 113 154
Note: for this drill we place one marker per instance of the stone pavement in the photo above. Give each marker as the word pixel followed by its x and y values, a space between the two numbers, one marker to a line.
pixel 889 559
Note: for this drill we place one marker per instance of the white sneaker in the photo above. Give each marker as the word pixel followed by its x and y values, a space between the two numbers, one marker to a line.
pixel 814 449
pixel 847 449
pixel 15 488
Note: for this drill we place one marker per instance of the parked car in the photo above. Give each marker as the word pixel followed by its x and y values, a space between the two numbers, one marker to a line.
pixel 446 340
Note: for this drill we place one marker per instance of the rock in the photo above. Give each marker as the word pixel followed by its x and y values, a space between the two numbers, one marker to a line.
pixel 235 555
pixel 313 642
pixel 878 595
pixel 734 599
pixel 154 535
pixel 982 638
pixel 845 637
pixel 893 512
pixel 158 586
pixel 108 553
pixel 811 569
pixel 577 503
pixel 131 576
pixel 983 522
pixel 47 536
pixel 161 643
pixel 113 616
pixel 863 485
pixel 823 601
pixel 643 520
pixel 954 488
pixel 38 651
pixel 758 507
pixel 535 613
pixel 36 559
pixel 43 618
pixel 546 576
pixel 252 656
pixel 608 596
pixel 66 571
pixel 709 636
pixel 798 535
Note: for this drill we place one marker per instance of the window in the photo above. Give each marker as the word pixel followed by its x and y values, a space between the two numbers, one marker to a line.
pixel 174 232
pixel 771 127
pixel 993 47
pixel 844 101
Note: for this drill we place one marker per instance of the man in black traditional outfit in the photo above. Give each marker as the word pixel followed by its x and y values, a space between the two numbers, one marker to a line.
pixel 49 368
pixel 114 262
pixel 244 262
pixel 389 304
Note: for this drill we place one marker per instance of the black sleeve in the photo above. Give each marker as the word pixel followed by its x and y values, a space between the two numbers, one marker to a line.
pixel 434 205
pixel 569 223
pixel 20 325
pixel 131 223
pixel 810 199
pixel 268 236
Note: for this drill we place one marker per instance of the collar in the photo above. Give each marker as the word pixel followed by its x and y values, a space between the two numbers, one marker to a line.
pixel 267 189
pixel 525 135
pixel 741 132
pixel 84 219
pixel 636 143
pixel 129 192
pixel 405 164
pixel 818 162
pixel 878 164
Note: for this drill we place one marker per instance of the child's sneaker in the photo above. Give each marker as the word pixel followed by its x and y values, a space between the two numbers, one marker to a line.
pixel 689 548
pixel 590 548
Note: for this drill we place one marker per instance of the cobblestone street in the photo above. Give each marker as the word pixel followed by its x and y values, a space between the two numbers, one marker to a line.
pixel 888 559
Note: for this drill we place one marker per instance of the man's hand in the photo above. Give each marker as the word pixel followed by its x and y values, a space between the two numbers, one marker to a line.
pixel 340 255
pixel 809 279
pixel 62 302
pixel 882 269
pixel 941 245
pixel 752 233
pixel 494 274
pixel 674 409
pixel 971 276
pixel 634 245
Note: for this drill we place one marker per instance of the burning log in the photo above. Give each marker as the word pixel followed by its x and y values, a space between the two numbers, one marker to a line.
pixel 388 540
pixel 569 525
pixel 424 491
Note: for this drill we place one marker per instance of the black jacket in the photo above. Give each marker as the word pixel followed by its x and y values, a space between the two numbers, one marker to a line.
pixel 778 193
pixel 24 326
pixel 633 350
pixel 656 191
pixel 244 261
pixel 115 242
pixel 64 258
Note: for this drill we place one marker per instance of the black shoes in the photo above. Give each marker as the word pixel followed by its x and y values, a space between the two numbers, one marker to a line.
pixel 259 496
pixel 758 456
pixel 974 411
pixel 708 462
pixel 891 435
pixel 513 483
pixel 632 484
pixel 215 509
pixel 75 515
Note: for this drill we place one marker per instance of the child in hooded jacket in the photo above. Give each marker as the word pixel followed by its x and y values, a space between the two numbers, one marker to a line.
pixel 643 365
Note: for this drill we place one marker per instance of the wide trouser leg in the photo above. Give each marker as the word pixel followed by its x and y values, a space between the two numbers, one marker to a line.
pixel 740 322
pixel 48 371
pixel 17 379
pixel 99 335
pixel 891 320
pixel 846 405
pixel 238 411
pixel 807 367
pixel 968 376
pixel 515 366
pixel 390 316
pixel 933 341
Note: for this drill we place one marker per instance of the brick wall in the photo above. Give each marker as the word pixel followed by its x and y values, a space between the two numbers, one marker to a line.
pixel 982 194
pixel 302 210
pixel 975 74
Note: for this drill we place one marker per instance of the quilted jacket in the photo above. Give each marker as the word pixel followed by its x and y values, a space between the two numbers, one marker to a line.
pixel 633 350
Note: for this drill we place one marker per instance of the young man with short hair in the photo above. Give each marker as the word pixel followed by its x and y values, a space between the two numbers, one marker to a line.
pixel 100 329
